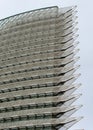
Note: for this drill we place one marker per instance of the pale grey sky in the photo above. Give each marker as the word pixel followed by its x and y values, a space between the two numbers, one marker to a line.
pixel 85 13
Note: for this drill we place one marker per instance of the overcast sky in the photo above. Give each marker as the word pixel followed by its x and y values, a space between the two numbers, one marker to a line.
pixel 85 14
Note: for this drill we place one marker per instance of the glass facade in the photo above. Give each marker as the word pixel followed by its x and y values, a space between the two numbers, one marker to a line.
pixel 37 66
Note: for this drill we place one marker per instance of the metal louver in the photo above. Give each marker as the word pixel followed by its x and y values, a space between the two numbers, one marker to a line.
pixel 37 70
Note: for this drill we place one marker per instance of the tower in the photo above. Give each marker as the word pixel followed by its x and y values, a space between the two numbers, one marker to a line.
pixel 37 66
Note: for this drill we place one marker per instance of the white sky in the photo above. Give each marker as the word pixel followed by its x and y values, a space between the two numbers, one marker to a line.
pixel 85 13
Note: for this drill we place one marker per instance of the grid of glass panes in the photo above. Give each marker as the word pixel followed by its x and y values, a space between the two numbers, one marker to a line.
pixel 36 70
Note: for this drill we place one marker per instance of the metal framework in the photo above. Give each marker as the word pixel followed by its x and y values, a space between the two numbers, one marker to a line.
pixel 37 69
